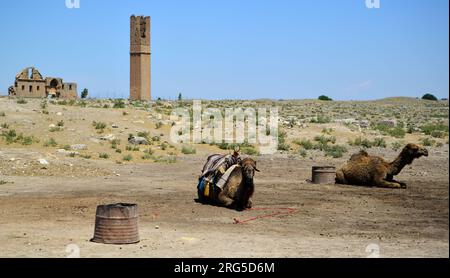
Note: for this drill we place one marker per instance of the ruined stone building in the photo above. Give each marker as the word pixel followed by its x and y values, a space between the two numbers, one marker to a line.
pixel 30 83
pixel 140 62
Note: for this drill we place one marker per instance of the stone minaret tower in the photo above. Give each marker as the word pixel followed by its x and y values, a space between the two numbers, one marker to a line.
pixel 140 71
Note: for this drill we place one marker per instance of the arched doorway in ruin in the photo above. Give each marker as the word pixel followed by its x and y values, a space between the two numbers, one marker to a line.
pixel 53 89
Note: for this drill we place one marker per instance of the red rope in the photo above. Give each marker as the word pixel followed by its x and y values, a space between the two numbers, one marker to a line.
pixel 285 211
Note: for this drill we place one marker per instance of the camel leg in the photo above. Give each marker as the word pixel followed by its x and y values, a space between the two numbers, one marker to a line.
pixel 381 182
pixel 402 184
pixel 388 184
pixel 225 200
pixel 390 178
pixel 340 178
pixel 249 203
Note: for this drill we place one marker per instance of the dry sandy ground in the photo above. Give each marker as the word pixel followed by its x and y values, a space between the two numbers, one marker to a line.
pixel 41 216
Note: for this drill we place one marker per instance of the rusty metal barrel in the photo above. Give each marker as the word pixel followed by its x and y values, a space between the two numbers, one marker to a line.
pixel 323 174
pixel 116 224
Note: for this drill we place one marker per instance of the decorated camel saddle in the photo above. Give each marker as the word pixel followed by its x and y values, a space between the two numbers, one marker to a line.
pixel 215 174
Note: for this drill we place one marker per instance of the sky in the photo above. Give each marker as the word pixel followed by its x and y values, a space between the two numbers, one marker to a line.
pixel 235 49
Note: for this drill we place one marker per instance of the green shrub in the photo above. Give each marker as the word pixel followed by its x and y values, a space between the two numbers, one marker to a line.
pixel 226 146
pixel 188 150
pixel 115 143
pixel 327 130
pixel 149 151
pixel 144 134
pixel 84 93
pixel 103 155
pixel 430 128
pixel 320 119
pixel 222 146
pixel 99 125
pixel 132 148
pixel 9 136
pixel 438 134
pixel 167 159
pixel 320 146
pixel 361 142
pixel 383 128
pixel 396 145
pixel 44 104
pixel 86 156
pixel 50 143
pixel 379 142
pixel 335 151
pixel 302 153
pixel 119 103
pixel 429 97
pixel 164 146
pixel 66 147
pixel 427 142
pixel 397 132
pixel 127 157
pixel 282 145
pixel 324 139
pixel 158 125
pixel 146 156
pixel 2 114
pixel 28 140
pixel 249 150
pixel 21 101
pixel 60 123
pixel 326 98
pixel 306 144
pixel 409 128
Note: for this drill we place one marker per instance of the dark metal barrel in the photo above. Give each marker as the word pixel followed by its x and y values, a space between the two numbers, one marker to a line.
pixel 323 174
pixel 116 224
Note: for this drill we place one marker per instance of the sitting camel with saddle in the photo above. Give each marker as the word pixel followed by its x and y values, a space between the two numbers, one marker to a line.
pixel 364 169
pixel 227 180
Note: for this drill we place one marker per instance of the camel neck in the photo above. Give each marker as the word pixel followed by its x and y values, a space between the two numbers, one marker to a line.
pixel 398 164
pixel 248 181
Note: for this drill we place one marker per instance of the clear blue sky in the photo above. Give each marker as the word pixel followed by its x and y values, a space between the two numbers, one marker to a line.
pixel 236 48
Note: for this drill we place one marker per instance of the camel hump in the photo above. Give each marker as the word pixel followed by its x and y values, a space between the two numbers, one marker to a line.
pixel 357 156
pixel 363 153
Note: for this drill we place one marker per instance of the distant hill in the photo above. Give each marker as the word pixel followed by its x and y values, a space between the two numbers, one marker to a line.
pixel 398 99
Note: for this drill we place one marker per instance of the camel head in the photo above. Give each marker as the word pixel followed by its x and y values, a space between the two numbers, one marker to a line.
pixel 406 157
pixel 248 168
pixel 413 151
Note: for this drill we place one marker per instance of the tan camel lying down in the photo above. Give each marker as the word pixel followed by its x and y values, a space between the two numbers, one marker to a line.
pixel 364 169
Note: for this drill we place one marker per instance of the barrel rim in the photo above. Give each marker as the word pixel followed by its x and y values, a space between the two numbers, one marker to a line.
pixel 118 205
pixel 118 242
pixel 115 217
pixel 324 167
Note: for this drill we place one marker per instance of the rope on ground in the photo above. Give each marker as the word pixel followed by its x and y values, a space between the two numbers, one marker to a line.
pixel 282 211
